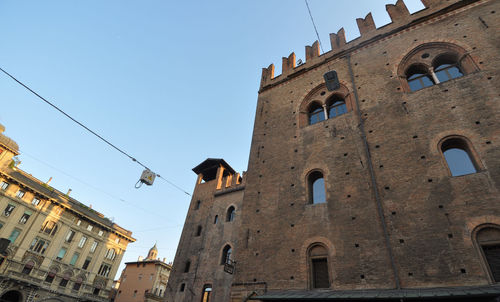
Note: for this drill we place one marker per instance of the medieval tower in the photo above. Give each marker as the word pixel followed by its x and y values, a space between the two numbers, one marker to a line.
pixel 383 187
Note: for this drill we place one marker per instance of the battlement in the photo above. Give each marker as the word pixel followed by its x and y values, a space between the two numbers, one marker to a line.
pixel 400 17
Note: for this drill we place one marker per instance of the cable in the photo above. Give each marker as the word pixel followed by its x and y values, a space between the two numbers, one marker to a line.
pixel 92 186
pixel 315 29
pixel 88 129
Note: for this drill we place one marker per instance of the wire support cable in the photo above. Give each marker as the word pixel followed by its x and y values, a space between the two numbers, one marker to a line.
pixel 314 25
pixel 91 131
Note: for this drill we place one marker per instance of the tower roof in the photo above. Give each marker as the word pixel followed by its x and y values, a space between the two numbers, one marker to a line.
pixel 209 167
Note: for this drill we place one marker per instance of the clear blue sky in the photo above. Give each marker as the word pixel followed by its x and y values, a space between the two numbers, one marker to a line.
pixel 170 82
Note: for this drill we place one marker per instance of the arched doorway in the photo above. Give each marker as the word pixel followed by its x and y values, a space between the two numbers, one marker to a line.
pixel 11 296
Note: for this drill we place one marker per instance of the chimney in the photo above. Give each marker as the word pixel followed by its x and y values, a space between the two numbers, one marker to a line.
pixel 69 190
pixel 48 181
pixel 140 258
pixel 164 260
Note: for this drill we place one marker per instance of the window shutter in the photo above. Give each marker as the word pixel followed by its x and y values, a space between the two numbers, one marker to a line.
pixel 492 254
pixel 320 273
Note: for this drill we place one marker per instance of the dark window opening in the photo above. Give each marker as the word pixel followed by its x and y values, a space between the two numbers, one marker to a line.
pixel 318 256
pixel 198 231
pixel 50 276
pixel 320 273
pixel 489 242
pixel 187 266
pixel 458 157
pixel 226 255
pixel 231 212
pixel 216 219
pixel 316 114
pixel 77 284
pixel 183 285
pixel 64 282
pixel 197 206
pixel 28 267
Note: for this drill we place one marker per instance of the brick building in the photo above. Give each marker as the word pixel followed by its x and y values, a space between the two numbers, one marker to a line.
pixel 59 249
pixel 382 188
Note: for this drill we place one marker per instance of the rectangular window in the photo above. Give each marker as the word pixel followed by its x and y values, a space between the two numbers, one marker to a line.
pixel 86 263
pixel 61 253
pixel 63 282
pixel 74 258
pixel 77 285
pixel 8 210
pixel 35 201
pixel 25 217
pixel 82 241
pixel 70 236
pixel 20 194
pixel 100 232
pixel 78 222
pixel 50 227
pixel 117 240
pixel 90 227
pixel 4 185
pixel 13 236
pixel 104 270
pixel 39 245
pixel 93 247
pixel 50 277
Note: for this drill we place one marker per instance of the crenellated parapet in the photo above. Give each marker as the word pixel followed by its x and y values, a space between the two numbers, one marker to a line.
pixel 338 40
pixel 398 12
pixel 366 24
pixel 399 15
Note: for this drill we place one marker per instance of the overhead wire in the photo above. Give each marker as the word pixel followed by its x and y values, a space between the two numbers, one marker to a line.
pixel 314 25
pixel 129 203
pixel 92 132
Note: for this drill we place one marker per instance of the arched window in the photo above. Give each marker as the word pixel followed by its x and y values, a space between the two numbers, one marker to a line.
pixel 458 156
pixel 207 290
pixel 28 267
pixel 336 106
pixel 226 255
pixel 231 212
pixel 318 262
pixel 65 279
pixel 418 77
pixel 446 67
pixel 316 113
pixel 434 63
pixel 51 275
pixel 488 240
pixel 78 283
pixel 316 184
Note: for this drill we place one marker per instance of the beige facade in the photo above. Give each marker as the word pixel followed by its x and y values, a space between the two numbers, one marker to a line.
pixel 144 280
pixel 60 249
